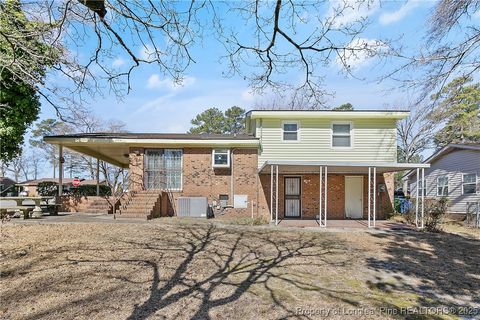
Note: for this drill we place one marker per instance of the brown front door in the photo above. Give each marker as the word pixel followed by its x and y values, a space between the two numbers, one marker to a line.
pixel 292 197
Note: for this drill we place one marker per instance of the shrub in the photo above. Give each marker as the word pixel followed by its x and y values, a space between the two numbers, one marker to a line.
pixel 47 189
pixel 434 211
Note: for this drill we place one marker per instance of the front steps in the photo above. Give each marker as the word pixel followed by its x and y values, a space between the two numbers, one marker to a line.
pixel 144 204
pixel 98 206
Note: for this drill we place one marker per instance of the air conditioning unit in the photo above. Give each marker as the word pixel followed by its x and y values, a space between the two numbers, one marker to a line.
pixel 192 207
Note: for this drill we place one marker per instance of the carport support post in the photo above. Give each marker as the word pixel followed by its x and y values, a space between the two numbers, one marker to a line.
pixel 374 195
pixel 417 186
pixel 325 204
pixel 320 222
pixel 271 193
pixel 369 194
pixel 276 195
pixel 60 170
pixel 423 194
pixel 98 177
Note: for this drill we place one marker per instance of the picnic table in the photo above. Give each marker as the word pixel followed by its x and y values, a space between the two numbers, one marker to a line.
pixel 37 210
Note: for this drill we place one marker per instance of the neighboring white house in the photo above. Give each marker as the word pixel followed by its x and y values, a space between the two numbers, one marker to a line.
pixel 454 173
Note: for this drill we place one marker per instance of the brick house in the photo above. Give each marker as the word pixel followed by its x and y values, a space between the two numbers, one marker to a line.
pixel 288 165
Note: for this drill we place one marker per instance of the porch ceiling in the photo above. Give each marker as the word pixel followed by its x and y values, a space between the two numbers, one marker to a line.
pixel 304 167
pixel 113 154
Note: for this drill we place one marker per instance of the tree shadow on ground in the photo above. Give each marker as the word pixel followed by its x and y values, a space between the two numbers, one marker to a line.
pixel 442 269
pixel 238 262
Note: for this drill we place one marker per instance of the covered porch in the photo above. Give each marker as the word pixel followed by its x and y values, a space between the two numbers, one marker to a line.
pixel 323 192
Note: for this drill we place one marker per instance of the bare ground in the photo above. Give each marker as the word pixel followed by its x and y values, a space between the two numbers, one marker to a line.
pixel 171 269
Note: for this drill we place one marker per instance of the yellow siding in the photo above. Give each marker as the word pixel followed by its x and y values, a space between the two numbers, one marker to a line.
pixel 374 140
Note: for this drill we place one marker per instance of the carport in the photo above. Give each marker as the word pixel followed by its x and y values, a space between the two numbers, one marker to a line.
pixel 323 169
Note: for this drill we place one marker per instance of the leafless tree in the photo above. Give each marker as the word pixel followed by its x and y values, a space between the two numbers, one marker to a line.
pixel 450 49
pixel 286 36
pixel 415 133
pixel 18 168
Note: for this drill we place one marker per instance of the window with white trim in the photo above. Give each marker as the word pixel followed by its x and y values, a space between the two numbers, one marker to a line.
pixel 469 183
pixel 422 187
pixel 290 131
pixel 221 158
pixel 341 135
pixel 442 186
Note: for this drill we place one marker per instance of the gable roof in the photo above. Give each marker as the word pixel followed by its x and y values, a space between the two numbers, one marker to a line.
pixel 447 149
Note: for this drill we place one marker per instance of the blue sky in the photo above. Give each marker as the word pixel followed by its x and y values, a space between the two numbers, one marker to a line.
pixel 155 104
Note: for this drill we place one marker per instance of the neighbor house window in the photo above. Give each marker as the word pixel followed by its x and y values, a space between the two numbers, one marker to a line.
pixel 422 187
pixel 469 183
pixel 290 131
pixel 221 158
pixel 341 135
pixel 442 186
pixel 173 168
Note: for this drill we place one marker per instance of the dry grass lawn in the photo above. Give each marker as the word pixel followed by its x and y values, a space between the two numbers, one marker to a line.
pixel 171 270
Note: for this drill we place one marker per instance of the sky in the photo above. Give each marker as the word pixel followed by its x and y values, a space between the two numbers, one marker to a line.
pixel 156 104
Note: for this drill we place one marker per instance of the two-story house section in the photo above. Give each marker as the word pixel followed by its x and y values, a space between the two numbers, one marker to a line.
pixel 327 164
pixel 288 165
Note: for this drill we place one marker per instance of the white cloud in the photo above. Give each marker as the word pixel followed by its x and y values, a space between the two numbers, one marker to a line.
pixel 366 49
pixel 118 62
pixel 172 111
pixel 402 12
pixel 476 15
pixel 155 82
pixel 349 11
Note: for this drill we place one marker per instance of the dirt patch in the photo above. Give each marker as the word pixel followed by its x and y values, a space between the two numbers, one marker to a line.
pixel 185 270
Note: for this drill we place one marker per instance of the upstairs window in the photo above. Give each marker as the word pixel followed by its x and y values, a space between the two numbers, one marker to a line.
pixel 469 183
pixel 442 186
pixel 341 135
pixel 290 131
pixel 221 158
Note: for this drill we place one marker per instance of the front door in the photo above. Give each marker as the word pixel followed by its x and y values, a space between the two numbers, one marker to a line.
pixel 292 197
pixel 354 197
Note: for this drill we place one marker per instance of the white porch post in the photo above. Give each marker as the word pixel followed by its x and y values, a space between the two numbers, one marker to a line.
pixel 271 193
pixel 98 177
pixel 416 198
pixel 60 170
pixel 320 196
pixel 374 195
pixel 369 195
pixel 423 195
pixel 276 195
pixel 326 197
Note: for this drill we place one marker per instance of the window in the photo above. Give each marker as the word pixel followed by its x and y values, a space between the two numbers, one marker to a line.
pixel 221 158
pixel 442 186
pixel 422 187
pixel 290 131
pixel 341 135
pixel 163 169
pixel 173 169
pixel 469 183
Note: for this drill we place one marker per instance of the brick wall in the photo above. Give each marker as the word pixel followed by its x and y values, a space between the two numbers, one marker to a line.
pixel 71 203
pixel 335 195
pixel 200 179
